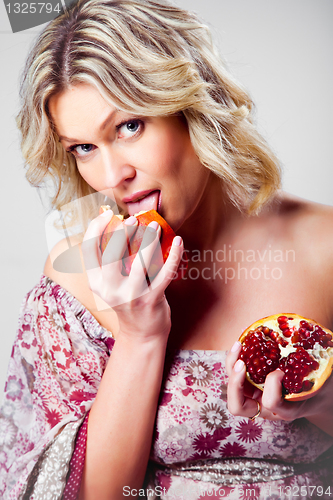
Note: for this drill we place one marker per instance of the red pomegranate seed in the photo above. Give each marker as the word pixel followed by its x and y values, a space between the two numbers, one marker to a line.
pixel 306 325
pixel 296 366
pixel 276 337
pixel 263 358
pixel 307 385
pixel 261 352
pixel 295 338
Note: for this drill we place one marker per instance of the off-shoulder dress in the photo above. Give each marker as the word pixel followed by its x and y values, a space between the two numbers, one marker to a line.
pixel 199 449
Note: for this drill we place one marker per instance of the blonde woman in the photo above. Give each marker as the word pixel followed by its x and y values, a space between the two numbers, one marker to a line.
pixel 118 390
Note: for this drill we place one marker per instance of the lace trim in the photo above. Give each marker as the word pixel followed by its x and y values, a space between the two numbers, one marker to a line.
pixel 229 472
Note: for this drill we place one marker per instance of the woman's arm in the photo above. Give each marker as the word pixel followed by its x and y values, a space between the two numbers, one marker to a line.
pixel 121 420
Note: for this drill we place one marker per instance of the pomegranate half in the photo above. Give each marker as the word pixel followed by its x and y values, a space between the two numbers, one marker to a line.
pixel 144 218
pixel 300 347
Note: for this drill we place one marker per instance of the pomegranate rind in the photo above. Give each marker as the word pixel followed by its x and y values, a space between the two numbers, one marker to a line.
pixel 144 218
pixel 328 361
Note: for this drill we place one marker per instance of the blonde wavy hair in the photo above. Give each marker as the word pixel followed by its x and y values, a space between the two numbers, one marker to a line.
pixel 150 58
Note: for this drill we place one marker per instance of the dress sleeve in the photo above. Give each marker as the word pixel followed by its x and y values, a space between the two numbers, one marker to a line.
pixel 58 358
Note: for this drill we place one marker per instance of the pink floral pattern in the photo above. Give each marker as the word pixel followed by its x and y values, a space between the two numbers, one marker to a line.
pixel 57 362
pixel 210 430
pixel 192 431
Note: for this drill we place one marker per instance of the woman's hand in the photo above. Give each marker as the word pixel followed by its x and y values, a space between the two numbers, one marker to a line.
pixel 243 397
pixel 128 394
pixel 142 308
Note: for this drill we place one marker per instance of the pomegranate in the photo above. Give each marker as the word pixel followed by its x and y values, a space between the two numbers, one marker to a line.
pixel 300 347
pixel 144 218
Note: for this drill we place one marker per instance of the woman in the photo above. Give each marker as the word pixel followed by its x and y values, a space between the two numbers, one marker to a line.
pixel 128 99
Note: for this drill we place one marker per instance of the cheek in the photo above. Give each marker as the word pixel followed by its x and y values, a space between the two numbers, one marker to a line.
pixel 90 178
pixel 83 173
pixel 170 153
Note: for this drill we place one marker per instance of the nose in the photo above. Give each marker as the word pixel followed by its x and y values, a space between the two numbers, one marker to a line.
pixel 116 167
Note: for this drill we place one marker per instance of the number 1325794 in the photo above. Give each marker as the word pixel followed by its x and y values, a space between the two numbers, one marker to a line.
pixel 305 491
pixel 33 8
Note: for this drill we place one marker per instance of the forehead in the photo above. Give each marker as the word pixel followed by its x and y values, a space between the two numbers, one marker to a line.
pixel 78 107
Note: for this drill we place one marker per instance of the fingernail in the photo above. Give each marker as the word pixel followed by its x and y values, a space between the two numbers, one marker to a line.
pixel 153 225
pixel 239 365
pixel 236 346
pixel 177 241
pixel 130 221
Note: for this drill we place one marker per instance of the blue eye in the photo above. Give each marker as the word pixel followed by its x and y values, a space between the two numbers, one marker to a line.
pixel 81 150
pixel 125 130
pixel 129 128
pixel 85 148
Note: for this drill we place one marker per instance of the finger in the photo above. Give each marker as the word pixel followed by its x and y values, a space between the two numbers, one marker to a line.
pixel 91 241
pixel 273 401
pixel 118 243
pixel 249 390
pixel 130 226
pixel 150 247
pixel 238 403
pixel 169 271
pixel 232 356
pixel 272 397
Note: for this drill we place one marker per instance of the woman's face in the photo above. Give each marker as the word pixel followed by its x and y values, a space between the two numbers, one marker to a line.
pixel 141 162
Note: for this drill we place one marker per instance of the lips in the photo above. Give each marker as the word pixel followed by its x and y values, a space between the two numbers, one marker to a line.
pixel 143 201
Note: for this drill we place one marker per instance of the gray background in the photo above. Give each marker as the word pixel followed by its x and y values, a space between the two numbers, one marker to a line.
pixel 280 50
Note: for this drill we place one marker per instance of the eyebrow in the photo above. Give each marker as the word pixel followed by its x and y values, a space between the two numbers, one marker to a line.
pixel 102 127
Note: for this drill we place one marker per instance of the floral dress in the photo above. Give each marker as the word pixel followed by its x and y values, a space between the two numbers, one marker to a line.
pixel 199 449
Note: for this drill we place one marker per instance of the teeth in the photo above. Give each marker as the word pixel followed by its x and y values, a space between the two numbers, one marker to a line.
pixel 141 198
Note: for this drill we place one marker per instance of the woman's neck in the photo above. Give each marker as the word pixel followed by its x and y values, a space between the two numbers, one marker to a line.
pixel 214 215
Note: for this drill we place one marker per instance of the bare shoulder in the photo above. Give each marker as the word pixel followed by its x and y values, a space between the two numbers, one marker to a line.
pixel 307 219
pixel 309 226
pixel 64 265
